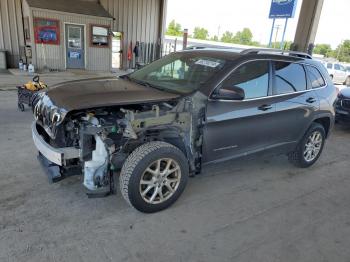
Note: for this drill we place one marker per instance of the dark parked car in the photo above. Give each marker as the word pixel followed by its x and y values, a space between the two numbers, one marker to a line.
pixel 169 119
pixel 343 106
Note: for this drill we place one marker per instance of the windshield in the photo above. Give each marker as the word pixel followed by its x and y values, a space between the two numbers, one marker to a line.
pixel 179 72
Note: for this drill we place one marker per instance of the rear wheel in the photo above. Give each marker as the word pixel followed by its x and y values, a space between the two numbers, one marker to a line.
pixel 310 147
pixel 154 176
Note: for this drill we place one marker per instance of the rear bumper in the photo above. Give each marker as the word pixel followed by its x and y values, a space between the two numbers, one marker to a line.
pixel 57 156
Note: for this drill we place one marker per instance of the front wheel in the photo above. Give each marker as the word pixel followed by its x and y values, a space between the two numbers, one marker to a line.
pixel 154 176
pixel 310 147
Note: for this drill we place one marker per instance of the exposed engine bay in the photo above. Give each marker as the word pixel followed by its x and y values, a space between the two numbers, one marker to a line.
pixel 105 136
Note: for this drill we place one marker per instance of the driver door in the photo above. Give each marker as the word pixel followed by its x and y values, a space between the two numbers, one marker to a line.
pixel 235 128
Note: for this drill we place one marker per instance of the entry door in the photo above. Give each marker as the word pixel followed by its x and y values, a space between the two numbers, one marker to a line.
pixel 117 50
pixel 75 50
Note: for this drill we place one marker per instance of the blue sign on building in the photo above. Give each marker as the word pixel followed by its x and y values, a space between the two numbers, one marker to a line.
pixel 282 8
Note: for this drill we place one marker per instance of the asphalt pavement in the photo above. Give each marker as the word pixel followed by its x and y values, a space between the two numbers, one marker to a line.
pixel 259 208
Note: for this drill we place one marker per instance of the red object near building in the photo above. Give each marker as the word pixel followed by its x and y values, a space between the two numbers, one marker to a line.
pixel 46 31
pixel 130 52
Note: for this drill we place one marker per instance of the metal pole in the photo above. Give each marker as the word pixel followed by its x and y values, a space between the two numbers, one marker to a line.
pixel 284 33
pixel 273 26
pixel 184 41
pixel 277 29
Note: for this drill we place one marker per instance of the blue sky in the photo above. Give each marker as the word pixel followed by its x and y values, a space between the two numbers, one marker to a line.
pixel 233 15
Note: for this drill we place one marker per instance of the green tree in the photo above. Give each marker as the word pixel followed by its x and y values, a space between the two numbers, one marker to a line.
pixel 174 29
pixel 227 37
pixel 323 49
pixel 215 38
pixel 286 45
pixel 200 33
pixel 243 37
pixel 342 53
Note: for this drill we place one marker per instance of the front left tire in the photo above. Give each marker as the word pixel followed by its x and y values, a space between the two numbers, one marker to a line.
pixel 154 176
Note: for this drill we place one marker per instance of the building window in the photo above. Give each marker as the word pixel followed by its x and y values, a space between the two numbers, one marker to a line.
pixel 100 36
pixel 74 37
pixel 46 31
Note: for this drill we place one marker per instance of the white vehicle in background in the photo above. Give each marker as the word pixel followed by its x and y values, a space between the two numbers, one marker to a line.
pixel 347 68
pixel 338 73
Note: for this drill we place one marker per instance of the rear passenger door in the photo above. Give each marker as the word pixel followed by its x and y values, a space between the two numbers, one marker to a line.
pixel 296 103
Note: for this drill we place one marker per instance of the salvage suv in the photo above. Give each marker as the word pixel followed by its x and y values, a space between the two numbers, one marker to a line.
pixel 163 123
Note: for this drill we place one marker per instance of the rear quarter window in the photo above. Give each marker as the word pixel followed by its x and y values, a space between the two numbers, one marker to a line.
pixel 315 77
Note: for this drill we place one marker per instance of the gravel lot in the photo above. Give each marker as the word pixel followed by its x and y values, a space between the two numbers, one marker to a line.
pixel 253 209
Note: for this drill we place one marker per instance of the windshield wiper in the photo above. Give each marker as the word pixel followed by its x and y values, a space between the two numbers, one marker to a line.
pixel 147 84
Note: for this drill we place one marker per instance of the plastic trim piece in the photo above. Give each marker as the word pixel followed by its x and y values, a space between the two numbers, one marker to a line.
pixel 55 155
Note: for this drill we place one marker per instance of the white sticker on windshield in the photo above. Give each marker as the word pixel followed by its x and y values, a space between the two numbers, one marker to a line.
pixel 209 63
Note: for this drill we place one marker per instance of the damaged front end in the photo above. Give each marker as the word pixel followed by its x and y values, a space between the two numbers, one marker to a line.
pixel 96 142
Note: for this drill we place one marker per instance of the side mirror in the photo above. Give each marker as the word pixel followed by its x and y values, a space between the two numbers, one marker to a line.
pixel 230 93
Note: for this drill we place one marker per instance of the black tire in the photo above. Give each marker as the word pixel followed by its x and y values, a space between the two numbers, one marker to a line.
pixel 134 168
pixel 297 157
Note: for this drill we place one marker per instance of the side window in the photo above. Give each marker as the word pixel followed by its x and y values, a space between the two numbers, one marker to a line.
pixel 252 77
pixel 329 65
pixel 337 67
pixel 289 78
pixel 315 77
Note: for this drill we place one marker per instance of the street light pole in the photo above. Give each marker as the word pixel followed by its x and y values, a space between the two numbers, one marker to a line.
pixel 277 29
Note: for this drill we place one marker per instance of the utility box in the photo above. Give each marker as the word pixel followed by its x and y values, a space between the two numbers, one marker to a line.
pixel 3 62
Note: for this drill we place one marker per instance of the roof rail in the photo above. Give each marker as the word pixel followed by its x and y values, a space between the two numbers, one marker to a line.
pixel 275 51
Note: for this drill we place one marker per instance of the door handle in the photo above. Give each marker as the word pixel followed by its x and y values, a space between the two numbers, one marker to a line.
pixel 311 100
pixel 265 107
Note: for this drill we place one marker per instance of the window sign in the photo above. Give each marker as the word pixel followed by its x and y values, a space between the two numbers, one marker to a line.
pixel 99 36
pixel 102 31
pixel 46 31
pixel 74 55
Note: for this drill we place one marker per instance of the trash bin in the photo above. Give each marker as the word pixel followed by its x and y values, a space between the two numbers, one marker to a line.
pixel 3 62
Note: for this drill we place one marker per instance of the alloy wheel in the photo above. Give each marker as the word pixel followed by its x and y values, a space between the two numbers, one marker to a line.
pixel 313 146
pixel 160 180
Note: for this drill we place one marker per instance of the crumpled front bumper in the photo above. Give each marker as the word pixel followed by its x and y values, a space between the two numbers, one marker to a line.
pixel 58 156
